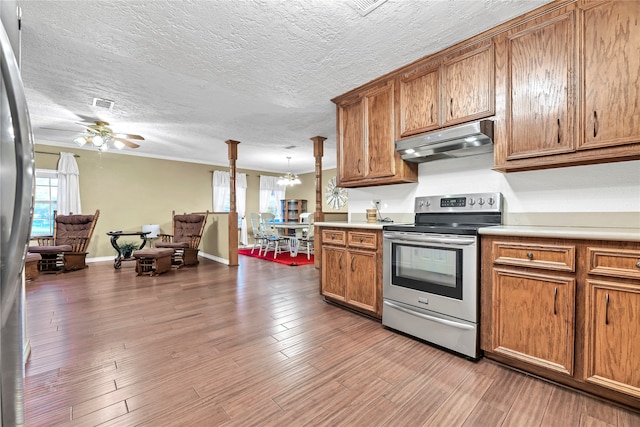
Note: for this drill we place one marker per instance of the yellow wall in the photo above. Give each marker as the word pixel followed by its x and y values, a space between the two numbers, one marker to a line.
pixel 131 191
pixel 307 191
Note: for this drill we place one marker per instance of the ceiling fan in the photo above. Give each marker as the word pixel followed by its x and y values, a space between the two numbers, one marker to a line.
pixel 102 136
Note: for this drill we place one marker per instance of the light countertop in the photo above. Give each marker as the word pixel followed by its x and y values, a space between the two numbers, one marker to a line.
pixel 354 224
pixel 592 233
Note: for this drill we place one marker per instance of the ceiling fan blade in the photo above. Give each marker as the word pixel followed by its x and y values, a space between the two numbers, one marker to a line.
pixel 128 136
pixel 58 130
pixel 127 143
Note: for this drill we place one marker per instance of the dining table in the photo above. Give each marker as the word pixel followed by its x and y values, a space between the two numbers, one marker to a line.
pixel 298 227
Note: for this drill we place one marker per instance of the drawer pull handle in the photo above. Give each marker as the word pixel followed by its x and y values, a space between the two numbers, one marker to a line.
pixel 530 255
pixel 638 264
pixel 555 298
pixel 361 240
pixel 606 311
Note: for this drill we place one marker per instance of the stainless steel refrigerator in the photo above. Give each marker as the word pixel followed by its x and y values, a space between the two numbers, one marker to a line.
pixel 16 203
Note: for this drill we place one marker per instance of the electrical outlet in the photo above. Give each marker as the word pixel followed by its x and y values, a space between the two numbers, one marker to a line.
pixel 377 203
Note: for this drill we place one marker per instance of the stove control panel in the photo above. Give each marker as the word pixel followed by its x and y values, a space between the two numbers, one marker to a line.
pixel 474 202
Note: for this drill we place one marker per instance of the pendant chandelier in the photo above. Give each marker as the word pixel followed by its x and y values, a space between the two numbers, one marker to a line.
pixel 289 178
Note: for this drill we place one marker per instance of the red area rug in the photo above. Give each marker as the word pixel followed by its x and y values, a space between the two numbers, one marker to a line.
pixel 283 258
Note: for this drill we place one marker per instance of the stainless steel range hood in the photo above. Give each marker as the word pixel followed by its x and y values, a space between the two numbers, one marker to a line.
pixel 464 140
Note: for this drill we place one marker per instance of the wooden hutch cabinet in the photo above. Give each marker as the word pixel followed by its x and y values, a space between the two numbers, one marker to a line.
pixel 292 208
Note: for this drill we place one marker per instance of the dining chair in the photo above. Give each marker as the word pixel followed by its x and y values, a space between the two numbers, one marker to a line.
pixel 305 243
pixel 304 217
pixel 272 235
pixel 259 238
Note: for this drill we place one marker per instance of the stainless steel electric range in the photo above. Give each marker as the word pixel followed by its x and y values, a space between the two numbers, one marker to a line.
pixel 431 270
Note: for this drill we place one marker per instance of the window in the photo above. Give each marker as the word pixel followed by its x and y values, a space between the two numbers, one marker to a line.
pixel 45 202
pixel 273 204
pixel 270 195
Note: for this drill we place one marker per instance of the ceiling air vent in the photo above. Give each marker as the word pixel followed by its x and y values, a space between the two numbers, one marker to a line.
pixel 290 147
pixel 103 103
pixel 365 7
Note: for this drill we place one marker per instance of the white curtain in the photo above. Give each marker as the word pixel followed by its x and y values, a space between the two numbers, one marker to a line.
pixel 220 190
pixel 270 195
pixel 68 185
pixel 222 195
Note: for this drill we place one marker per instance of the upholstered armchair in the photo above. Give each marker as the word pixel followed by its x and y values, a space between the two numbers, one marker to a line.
pixel 185 239
pixel 66 250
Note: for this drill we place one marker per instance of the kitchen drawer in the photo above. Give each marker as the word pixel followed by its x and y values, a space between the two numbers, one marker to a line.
pixel 334 237
pixel 614 262
pixel 543 256
pixel 366 240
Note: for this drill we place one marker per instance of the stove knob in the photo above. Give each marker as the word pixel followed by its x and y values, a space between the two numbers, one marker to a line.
pixel 472 202
pixel 481 201
pixel 491 201
pixel 428 203
pixel 421 204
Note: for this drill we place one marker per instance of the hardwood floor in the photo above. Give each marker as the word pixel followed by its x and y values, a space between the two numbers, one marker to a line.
pixel 255 345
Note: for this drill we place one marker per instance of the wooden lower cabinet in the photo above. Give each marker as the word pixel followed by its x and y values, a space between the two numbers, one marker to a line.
pixel 565 309
pixel 351 269
pixel 533 318
pixel 612 345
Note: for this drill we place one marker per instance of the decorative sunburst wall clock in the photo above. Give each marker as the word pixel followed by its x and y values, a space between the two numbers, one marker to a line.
pixel 336 196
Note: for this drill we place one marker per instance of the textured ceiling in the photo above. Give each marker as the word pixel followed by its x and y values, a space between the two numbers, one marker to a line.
pixel 189 75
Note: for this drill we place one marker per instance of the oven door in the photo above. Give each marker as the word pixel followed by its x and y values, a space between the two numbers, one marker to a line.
pixel 432 272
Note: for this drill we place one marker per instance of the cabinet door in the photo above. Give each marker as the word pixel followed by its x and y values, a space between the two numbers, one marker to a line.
pixel 533 318
pixel 613 336
pixel 334 272
pixel 611 43
pixel 541 83
pixel 380 148
pixel 419 100
pixel 361 283
pixel 351 146
pixel 468 86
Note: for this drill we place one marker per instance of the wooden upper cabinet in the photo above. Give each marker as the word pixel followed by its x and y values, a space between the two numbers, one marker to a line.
pixel 540 64
pixel 610 66
pixel 419 100
pixel 351 131
pixel 567 86
pixel 366 140
pixel 379 139
pixel 468 84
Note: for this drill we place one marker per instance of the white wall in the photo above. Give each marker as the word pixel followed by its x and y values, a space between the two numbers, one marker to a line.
pixel 609 187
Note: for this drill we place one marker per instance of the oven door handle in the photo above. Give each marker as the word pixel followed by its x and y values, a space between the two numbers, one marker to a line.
pixel 438 240
pixel 427 317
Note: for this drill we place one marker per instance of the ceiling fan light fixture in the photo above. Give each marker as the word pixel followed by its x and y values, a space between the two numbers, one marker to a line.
pixel 98 141
pixel 101 136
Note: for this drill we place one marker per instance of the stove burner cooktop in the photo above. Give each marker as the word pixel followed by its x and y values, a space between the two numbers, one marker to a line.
pixel 460 214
